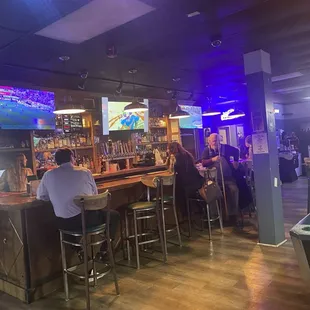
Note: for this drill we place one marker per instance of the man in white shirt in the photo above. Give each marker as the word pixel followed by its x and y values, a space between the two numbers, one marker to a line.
pixel 62 185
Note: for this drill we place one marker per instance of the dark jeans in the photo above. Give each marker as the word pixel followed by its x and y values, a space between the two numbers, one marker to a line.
pixel 232 195
pixel 93 218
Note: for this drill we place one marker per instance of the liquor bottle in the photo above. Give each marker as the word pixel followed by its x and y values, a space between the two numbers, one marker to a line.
pixel 68 142
pixel 88 140
pixel 77 141
pixel 73 141
pixel 60 142
pixel 50 143
pixel 56 142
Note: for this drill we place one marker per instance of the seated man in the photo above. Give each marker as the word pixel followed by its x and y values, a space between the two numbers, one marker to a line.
pixel 62 185
pixel 211 157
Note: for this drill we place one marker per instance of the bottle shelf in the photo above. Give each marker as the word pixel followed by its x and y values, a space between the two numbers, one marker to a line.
pixel 72 148
pixel 12 149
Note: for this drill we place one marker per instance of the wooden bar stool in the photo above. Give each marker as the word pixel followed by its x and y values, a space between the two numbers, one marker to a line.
pixel 143 211
pixel 102 232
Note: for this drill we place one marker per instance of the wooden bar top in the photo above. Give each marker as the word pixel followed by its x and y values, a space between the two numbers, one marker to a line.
pixel 128 172
pixel 19 201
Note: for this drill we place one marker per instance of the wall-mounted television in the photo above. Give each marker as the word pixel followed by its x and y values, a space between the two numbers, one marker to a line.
pixel 114 117
pixel 195 119
pixel 30 109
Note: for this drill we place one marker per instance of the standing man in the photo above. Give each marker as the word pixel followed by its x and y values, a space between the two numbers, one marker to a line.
pixel 62 185
pixel 212 155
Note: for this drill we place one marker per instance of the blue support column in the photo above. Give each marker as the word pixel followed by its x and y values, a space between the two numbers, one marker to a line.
pixel 265 154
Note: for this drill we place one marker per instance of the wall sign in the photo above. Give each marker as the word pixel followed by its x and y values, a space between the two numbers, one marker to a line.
pixel 260 143
pixel 69 123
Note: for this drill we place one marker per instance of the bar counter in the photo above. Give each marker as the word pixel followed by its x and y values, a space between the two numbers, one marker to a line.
pixel 30 260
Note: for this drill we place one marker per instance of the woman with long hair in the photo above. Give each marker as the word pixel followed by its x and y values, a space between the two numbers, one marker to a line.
pixel 188 178
pixel 14 179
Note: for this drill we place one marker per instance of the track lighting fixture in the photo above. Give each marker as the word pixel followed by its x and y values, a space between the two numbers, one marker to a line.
pixel 119 88
pixel 83 75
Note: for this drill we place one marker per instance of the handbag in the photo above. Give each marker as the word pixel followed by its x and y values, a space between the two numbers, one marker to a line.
pixel 212 190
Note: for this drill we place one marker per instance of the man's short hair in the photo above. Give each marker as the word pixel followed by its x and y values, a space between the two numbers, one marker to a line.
pixel 63 156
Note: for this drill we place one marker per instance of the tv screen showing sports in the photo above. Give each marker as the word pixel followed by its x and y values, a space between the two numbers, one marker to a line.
pixel 115 118
pixel 22 108
pixel 195 119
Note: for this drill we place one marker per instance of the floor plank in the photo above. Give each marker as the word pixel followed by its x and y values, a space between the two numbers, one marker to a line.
pixel 232 272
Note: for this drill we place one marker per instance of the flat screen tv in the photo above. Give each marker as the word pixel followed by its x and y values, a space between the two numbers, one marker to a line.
pixel 115 118
pixel 195 119
pixel 30 109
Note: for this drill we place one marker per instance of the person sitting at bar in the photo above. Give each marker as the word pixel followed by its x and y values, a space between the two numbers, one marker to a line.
pixel 219 155
pixel 62 185
pixel 248 144
pixel 188 178
pixel 14 179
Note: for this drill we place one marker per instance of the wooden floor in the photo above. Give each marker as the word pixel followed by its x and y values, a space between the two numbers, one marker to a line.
pixel 233 272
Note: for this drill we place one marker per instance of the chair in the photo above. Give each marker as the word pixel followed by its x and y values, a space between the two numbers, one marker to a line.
pixel 168 203
pixel 88 203
pixel 142 212
pixel 209 175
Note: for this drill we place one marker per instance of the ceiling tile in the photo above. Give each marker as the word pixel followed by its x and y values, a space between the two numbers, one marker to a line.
pixel 95 18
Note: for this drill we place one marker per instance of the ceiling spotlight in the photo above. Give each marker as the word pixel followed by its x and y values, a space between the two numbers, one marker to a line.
pixel 216 40
pixel 111 51
pixel 84 74
pixel 119 88
pixel 176 79
pixel 64 58
pixel 174 95
pixel 81 85
pixel 169 91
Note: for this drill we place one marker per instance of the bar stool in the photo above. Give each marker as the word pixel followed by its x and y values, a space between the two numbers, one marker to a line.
pixel 102 232
pixel 168 203
pixel 210 175
pixel 143 211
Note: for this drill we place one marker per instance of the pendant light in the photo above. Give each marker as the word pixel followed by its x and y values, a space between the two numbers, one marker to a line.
pixel 68 107
pixel 179 113
pixel 237 113
pixel 135 105
pixel 211 111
